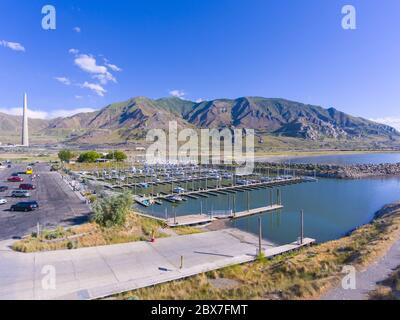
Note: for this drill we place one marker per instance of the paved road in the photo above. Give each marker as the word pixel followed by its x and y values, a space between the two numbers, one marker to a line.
pixel 96 272
pixel 367 280
pixel 58 203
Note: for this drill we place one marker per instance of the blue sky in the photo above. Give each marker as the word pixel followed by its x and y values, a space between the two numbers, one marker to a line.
pixel 203 49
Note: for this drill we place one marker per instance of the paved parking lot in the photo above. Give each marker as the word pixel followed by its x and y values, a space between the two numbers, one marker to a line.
pixel 58 203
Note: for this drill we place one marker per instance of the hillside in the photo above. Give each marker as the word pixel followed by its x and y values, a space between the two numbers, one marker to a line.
pixel 129 121
pixel 10 128
pixel 284 118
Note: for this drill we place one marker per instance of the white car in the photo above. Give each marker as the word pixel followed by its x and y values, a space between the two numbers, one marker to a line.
pixel 3 201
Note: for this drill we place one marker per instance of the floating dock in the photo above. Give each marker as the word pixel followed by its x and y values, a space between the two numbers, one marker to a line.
pixel 190 220
pixel 237 188
pixel 201 219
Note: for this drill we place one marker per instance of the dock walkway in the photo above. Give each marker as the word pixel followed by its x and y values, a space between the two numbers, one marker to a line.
pixel 201 219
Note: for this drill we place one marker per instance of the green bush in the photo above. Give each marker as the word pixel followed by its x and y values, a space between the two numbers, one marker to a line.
pixel 92 198
pixel 89 156
pixel 112 211
pixel 54 234
pixel 117 155
pixel 66 155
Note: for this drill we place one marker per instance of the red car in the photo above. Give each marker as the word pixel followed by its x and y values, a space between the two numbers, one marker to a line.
pixel 27 186
pixel 15 179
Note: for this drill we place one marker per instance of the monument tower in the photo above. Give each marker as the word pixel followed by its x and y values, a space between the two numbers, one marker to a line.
pixel 25 134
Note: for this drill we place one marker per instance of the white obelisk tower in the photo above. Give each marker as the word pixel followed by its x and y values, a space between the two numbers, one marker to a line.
pixel 25 134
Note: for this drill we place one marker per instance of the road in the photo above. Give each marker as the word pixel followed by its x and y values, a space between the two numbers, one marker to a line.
pixel 59 205
pixel 367 280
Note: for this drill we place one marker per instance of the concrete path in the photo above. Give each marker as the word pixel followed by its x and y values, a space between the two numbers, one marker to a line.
pixel 101 271
pixel 366 281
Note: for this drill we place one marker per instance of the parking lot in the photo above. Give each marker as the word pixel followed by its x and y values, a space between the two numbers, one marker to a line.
pixel 58 203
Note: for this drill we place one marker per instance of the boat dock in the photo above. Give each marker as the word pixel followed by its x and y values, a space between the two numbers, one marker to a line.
pixel 206 193
pixel 202 219
pixel 190 220
pixel 241 214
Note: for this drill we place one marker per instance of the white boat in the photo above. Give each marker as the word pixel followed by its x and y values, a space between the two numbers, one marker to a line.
pixel 178 190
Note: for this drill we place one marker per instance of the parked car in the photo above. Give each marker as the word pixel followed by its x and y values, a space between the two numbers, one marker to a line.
pixel 27 186
pixel 20 194
pixel 3 201
pixel 34 203
pixel 22 206
pixel 15 179
pixel 3 188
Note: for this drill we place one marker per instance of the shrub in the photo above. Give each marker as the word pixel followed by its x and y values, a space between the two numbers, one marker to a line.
pixel 66 155
pixel 117 155
pixel 92 198
pixel 89 156
pixel 112 211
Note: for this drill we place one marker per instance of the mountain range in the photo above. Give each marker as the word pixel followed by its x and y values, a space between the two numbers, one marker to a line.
pixel 129 121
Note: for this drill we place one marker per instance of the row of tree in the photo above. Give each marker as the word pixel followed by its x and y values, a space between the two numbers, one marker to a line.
pixel 91 156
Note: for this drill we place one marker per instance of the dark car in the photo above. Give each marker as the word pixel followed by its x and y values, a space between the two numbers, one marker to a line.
pixel 15 174
pixel 34 203
pixel 27 186
pixel 15 179
pixel 3 188
pixel 23 206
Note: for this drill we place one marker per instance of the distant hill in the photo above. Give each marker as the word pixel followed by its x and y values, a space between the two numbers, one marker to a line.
pixel 284 118
pixel 10 128
pixel 129 120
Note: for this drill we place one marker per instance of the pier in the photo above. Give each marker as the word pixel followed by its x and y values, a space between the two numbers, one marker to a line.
pixel 202 219
pixel 205 193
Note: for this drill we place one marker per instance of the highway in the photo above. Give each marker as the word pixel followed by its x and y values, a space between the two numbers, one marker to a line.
pixel 59 205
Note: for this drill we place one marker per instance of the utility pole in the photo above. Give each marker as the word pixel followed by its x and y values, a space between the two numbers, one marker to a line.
pixel 259 236
pixel 301 226
pixel 234 205
pixel 270 197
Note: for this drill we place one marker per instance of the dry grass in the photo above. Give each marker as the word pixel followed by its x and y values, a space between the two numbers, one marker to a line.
pixel 389 289
pixel 136 228
pixel 301 275
pixel 182 231
pixel 97 166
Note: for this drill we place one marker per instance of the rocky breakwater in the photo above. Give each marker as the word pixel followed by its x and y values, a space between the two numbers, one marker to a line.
pixel 355 171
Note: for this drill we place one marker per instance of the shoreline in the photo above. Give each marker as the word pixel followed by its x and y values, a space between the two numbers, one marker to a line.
pixel 371 275
pixel 288 278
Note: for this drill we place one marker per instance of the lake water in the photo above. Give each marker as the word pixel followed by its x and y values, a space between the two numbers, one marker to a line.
pixel 331 207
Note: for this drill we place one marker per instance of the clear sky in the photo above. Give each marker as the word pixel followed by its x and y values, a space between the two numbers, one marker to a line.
pixel 201 49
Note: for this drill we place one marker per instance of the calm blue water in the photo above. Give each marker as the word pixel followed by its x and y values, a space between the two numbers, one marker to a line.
pixel 373 158
pixel 332 207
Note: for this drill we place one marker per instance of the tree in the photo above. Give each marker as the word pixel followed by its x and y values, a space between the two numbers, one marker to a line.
pixel 117 155
pixel 89 156
pixel 65 155
pixel 112 211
